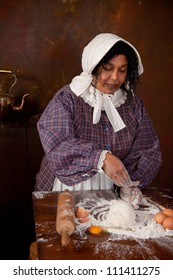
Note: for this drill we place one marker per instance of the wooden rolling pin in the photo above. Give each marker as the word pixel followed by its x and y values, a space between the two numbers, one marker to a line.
pixel 65 218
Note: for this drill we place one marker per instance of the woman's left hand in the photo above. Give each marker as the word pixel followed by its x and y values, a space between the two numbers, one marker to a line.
pixel 132 194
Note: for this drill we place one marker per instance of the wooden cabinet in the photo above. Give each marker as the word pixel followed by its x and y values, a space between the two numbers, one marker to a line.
pixel 20 158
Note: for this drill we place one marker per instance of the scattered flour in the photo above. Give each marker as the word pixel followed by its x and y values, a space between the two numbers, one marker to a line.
pixel 38 194
pixel 122 220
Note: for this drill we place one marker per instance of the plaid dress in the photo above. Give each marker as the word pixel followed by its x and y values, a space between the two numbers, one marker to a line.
pixel 73 144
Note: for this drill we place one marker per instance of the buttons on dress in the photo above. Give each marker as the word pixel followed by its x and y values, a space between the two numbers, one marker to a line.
pixel 108 147
pixel 106 128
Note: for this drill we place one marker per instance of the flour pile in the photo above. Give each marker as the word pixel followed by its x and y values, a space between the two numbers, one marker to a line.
pixel 120 213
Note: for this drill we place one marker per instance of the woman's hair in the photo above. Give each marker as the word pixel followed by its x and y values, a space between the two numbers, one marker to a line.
pixel 132 71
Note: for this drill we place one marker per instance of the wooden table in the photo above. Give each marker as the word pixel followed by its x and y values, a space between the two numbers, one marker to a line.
pixel 100 247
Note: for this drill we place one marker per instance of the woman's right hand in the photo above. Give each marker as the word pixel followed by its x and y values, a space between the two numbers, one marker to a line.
pixel 115 169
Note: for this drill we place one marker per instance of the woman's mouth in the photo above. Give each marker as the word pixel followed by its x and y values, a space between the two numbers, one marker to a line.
pixel 112 86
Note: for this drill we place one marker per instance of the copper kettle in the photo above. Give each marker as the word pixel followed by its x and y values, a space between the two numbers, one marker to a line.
pixel 7 99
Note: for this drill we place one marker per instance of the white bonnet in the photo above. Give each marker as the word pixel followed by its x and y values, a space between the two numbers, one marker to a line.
pixel 91 56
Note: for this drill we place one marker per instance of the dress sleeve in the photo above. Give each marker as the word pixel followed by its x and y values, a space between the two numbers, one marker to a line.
pixel 72 160
pixel 144 158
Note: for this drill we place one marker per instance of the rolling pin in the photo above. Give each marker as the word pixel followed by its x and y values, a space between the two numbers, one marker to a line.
pixel 65 218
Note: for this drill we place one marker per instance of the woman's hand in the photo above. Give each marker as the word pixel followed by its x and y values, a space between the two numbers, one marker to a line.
pixel 132 195
pixel 115 169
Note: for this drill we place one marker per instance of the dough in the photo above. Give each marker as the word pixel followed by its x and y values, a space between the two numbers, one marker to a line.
pixel 121 213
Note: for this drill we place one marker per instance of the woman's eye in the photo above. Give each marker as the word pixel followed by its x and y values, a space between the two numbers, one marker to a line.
pixel 107 67
pixel 123 70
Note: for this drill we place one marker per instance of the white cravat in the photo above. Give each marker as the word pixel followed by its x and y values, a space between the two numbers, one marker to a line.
pixel 101 101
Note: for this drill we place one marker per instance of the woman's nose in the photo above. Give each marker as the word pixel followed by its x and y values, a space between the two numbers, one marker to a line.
pixel 114 75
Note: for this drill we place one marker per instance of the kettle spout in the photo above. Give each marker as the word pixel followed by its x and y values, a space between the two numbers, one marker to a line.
pixel 20 107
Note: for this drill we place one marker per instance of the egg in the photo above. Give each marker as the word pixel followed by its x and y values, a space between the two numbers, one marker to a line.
pixel 82 214
pixel 168 212
pixel 159 217
pixel 168 223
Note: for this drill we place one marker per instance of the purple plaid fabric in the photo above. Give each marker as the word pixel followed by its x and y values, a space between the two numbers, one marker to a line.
pixel 73 144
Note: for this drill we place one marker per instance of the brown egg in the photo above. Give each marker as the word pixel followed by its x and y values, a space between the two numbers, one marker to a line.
pixel 159 217
pixel 168 212
pixel 84 220
pixel 168 223
pixel 82 214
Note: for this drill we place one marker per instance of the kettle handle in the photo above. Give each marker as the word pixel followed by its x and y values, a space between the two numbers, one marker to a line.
pixel 15 81
pixel 15 78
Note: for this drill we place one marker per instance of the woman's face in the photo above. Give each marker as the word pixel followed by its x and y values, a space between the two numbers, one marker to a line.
pixel 111 75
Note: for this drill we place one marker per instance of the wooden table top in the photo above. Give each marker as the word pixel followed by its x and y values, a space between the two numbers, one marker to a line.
pixel 100 247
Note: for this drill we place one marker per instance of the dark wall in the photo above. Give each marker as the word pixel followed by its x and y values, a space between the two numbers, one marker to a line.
pixel 42 42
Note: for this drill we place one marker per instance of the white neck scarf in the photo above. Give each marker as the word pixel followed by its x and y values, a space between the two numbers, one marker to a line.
pixel 108 103
pixel 80 85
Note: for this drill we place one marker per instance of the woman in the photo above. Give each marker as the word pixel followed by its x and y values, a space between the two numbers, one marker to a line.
pixel 95 132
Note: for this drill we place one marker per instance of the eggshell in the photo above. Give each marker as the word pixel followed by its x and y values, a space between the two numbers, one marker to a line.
pixel 82 214
pixel 168 223
pixel 168 212
pixel 159 217
pixel 84 220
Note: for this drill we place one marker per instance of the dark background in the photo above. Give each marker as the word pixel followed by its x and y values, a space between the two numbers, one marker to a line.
pixel 42 43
